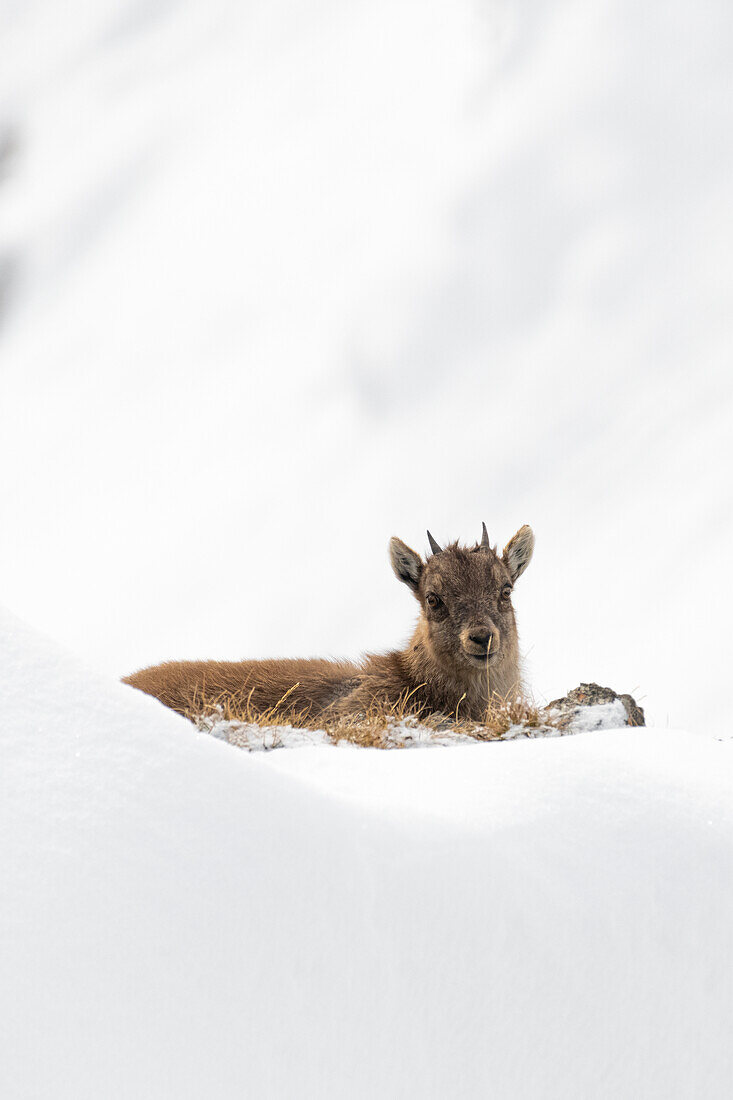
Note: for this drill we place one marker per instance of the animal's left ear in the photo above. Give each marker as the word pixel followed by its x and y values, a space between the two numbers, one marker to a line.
pixel 518 552
pixel 406 563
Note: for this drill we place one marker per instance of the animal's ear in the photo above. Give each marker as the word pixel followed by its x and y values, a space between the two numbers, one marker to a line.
pixel 518 552
pixel 406 563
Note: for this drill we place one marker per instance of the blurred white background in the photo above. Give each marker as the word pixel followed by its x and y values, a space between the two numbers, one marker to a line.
pixel 281 279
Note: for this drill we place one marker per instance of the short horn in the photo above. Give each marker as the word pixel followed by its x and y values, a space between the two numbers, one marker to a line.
pixel 485 538
pixel 434 546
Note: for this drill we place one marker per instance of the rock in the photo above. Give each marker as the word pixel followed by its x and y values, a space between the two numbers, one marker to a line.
pixel 591 695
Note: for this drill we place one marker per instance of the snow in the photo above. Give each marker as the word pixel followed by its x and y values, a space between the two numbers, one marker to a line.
pixel 602 716
pixel 406 733
pixel 281 280
pixel 541 918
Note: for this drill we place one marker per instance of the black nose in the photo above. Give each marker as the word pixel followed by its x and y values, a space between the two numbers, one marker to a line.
pixel 481 639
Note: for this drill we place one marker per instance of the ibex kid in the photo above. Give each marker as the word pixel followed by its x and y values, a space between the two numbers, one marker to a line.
pixel 463 651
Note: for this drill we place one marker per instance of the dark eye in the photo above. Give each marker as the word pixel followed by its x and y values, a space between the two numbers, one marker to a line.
pixel 506 592
pixel 433 600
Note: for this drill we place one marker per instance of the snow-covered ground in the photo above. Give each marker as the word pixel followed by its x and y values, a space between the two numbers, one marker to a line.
pixel 409 732
pixel 283 278
pixel 538 918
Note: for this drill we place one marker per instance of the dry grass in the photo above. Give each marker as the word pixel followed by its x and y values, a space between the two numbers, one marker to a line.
pixel 383 726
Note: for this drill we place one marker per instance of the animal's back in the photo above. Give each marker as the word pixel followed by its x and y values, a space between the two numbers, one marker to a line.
pixel 298 686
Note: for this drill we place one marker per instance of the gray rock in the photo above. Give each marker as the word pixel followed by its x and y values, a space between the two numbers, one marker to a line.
pixel 591 695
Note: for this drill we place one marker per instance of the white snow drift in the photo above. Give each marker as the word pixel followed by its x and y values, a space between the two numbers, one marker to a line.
pixel 544 919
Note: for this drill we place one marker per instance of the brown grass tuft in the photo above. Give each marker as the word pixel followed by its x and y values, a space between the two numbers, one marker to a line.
pixel 383 726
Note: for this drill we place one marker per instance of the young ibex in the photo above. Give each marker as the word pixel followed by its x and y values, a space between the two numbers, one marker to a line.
pixel 464 648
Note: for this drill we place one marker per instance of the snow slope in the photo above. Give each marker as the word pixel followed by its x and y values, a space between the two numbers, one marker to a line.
pixel 546 918
pixel 283 279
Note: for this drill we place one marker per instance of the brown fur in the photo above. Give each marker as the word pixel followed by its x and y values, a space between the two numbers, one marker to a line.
pixel 464 649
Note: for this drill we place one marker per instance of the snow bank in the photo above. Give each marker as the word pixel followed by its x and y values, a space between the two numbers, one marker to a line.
pixel 536 918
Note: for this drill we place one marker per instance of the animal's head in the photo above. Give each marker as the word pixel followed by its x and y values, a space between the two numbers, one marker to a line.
pixel 465 596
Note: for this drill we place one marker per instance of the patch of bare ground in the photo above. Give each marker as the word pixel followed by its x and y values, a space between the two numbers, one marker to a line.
pixel 235 720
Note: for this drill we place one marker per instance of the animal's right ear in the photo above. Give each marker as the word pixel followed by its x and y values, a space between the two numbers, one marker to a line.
pixel 406 563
